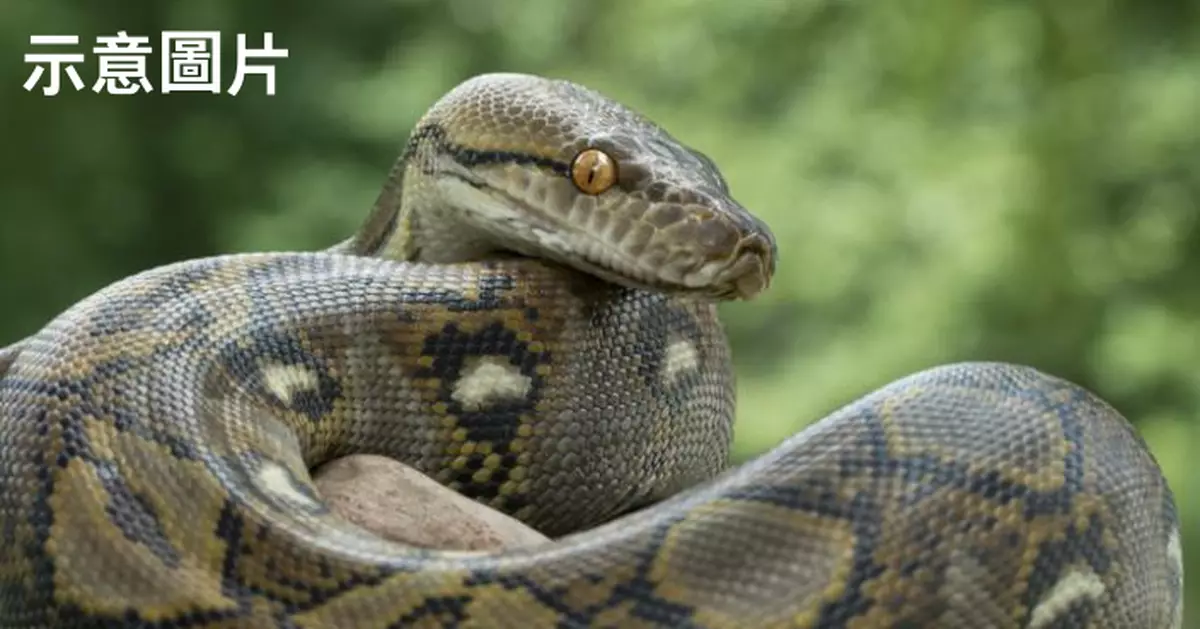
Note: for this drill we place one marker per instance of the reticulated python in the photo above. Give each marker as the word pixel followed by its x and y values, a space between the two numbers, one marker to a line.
pixel 155 439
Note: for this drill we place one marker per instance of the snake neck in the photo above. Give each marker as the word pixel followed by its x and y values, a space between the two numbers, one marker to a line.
pixel 413 220
pixel 388 229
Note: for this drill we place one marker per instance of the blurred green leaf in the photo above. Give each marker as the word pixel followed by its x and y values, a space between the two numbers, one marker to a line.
pixel 947 180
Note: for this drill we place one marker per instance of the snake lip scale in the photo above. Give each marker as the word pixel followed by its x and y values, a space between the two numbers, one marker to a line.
pixel 528 314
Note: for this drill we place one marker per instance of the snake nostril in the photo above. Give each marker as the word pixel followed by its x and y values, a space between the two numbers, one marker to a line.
pixel 761 249
pixel 752 267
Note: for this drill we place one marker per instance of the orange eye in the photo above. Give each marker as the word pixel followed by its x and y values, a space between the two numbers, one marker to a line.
pixel 593 171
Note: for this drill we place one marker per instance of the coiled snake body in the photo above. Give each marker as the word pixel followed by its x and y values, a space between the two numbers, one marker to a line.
pixel 528 315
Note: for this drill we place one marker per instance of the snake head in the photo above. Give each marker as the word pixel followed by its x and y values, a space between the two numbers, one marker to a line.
pixel 551 169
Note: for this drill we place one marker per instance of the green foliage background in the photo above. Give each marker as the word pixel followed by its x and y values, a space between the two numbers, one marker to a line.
pixel 948 180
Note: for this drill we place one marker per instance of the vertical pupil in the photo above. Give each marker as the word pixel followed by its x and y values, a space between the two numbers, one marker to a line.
pixel 589 170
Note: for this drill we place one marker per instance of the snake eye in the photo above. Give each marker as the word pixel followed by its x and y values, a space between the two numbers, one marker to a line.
pixel 593 171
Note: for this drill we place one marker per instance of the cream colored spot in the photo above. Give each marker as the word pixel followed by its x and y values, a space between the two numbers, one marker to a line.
pixel 1077 584
pixel 968 600
pixel 489 380
pixel 275 479
pixel 285 381
pixel 1175 555
pixel 681 357
pixel 1175 551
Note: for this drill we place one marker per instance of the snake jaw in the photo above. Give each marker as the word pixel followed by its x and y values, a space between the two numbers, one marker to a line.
pixel 743 276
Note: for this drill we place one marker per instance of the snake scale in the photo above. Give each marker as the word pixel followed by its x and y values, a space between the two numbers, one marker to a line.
pixel 529 315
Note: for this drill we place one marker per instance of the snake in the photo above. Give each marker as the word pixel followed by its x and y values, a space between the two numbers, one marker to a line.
pixel 529 315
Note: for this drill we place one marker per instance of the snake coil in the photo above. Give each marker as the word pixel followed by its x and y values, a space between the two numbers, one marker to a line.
pixel 528 315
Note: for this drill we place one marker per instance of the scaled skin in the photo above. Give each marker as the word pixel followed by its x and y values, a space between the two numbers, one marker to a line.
pixel 155 438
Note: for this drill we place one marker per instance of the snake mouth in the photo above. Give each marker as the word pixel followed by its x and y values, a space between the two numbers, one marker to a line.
pixel 669 263
pixel 748 273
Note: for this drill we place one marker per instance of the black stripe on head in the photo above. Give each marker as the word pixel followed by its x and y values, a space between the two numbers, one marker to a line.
pixel 472 157
pixel 468 156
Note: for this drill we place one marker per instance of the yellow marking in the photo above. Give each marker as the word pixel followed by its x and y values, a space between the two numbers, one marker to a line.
pixel 585 593
pixel 398 244
pixel 84 536
pixel 1175 556
pixel 681 357
pixel 678 572
pixel 806 618
pixel 488 380
pixel 285 381
pixel 493 602
pixel 968 600
pixel 1175 551
pixel 1077 584
pixel 905 440
pixel 275 479
pixel 381 605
